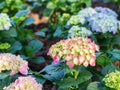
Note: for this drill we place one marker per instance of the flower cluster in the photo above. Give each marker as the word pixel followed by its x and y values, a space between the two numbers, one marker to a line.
pixel 112 80
pixel 75 51
pixel 103 23
pixel 75 19
pixel 79 31
pixel 106 11
pixel 14 63
pixel 4 21
pixel 100 19
pixel 87 12
pixel 24 83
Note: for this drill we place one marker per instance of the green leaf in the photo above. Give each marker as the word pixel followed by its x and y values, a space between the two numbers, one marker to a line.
pixel 87 2
pixel 40 33
pixel 2 5
pixel 39 79
pixel 16 46
pixel 82 77
pixel 58 32
pixel 115 54
pixel 116 40
pixel 83 86
pixel 4 74
pixel 109 68
pixel 22 13
pixel 54 72
pixel 103 59
pixel 38 60
pixel 93 86
pixel 24 57
pixel 51 5
pixel 33 47
pixel 106 1
pixel 28 21
pixel 10 33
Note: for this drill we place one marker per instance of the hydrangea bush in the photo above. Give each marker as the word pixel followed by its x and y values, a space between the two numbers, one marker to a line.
pixel 24 83
pixel 75 51
pixel 112 80
pixel 14 63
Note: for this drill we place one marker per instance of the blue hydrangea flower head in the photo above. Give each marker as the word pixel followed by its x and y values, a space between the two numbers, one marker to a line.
pixel 79 32
pixel 4 21
pixel 103 23
pixel 106 11
pixel 87 12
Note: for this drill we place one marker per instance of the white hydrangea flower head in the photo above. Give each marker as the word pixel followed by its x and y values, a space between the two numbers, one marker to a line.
pixel 79 32
pixel 4 21
pixel 87 12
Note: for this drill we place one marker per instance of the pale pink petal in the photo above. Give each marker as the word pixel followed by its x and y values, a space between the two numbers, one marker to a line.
pixel 92 61
pixel 85 63
pixel 70 64
pixel 23 69
pixel 56 59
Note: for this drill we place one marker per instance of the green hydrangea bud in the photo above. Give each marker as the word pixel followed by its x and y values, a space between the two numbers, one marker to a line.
pixel 4 46
pixel 112 80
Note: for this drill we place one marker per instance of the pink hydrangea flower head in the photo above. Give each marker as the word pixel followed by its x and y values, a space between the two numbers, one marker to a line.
pixel 75 51
pixel 14 63
pixel 24 83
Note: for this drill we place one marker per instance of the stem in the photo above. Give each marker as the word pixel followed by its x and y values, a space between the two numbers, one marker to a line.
pixel 76 74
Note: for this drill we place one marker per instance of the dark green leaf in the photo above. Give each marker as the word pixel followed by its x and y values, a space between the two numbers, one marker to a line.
pixel 58 32
pixel 116 40
pixel 4 74
pixel 40 33
pixel 2 5
pixel 28 21
pixel 103 59
pixel 39 79
pixel 10 33
pixel 106 1
pixel 54 72
pixel 22 13
pixel 93 86
pixel 82 77
pixel 24 57
pixel 16 46
pixel 109 68
pixel 33 46
pixel 38 60
pixel 115 54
